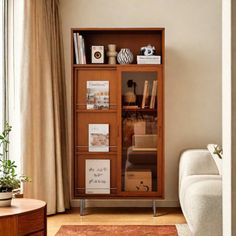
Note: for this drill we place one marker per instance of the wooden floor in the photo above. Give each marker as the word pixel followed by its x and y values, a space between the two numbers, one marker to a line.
pixel 115 216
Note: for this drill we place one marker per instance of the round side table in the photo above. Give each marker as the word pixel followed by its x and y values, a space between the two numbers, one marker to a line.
pixel 24 217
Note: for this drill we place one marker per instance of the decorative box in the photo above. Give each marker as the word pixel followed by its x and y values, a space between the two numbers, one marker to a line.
pixel 138 180
pixel 148 59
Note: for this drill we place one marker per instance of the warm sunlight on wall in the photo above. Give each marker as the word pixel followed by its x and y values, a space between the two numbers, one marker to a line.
pixel 193 66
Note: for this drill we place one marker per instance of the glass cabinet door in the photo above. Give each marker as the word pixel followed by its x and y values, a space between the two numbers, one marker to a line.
pixel 140 138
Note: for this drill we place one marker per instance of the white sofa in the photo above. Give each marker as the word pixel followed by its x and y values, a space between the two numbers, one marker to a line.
pixel 200 192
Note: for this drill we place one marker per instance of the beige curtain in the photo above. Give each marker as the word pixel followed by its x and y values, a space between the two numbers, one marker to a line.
pixel 43 106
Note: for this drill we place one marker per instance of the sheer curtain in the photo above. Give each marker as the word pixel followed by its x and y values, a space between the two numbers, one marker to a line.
pixel 8 111
pixel 3 41
pixel 42 105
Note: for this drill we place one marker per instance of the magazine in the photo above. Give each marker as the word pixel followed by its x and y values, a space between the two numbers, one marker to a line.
pixel 98 137
pixel 97 94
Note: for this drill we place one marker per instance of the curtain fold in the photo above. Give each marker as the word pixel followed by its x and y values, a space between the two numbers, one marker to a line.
pixel 43 106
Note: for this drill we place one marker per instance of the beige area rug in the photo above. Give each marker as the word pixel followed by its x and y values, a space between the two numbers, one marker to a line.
pixel 183 230
pixel 117 230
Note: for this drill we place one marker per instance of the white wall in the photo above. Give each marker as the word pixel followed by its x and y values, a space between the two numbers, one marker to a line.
pixel 193 65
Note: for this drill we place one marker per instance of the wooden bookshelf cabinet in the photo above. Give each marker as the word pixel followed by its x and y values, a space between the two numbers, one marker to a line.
pixel 136 132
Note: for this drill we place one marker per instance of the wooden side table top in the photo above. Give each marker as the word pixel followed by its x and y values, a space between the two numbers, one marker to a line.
pixel 20 206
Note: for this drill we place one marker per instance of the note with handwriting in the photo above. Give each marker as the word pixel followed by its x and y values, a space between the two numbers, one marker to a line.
pixel 97 176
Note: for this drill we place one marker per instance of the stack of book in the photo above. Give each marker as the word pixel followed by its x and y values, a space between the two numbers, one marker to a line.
pixel 79 49
pixel 148 59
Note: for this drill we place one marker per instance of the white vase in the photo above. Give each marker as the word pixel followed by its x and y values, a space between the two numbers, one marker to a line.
pixel 125 56
pixel 5 199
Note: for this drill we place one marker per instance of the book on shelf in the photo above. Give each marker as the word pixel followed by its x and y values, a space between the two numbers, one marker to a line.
pixel 83 57
pixel 98 137
pixel 79 49
pixel 76 48
pixel 131 107
pixel 138 149
pixel 153 95
pixel 146 141
pixel 139 127
pixel 97 176
pixel 154 59
pixel 98 94
pixel 145 94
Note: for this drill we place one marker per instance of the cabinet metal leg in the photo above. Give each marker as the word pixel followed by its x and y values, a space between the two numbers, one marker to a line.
pixel 154 208
pixel 82 206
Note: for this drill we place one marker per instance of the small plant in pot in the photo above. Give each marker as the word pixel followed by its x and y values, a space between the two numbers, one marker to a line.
pixel 9 180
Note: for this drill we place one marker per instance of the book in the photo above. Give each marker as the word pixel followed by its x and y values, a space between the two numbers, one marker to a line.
pixel 97 176
pixel 153 88
pixel 131 107
pixel 153 95
pixel 154 59
pixel 136 149
pixel 145 94
pixel 76 48
pixel 98 137
pixel 80 49
pixel 144 141
pixel 98 94
pixel 139 127
pixel 83 52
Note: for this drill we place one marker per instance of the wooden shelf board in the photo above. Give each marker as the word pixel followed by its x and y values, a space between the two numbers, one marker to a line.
pixel 96 111
pixel 96 153
pixel 114 66
pixel 140 110
pixel 119 196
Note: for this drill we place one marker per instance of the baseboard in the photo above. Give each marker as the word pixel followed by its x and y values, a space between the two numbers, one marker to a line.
pixel 124 203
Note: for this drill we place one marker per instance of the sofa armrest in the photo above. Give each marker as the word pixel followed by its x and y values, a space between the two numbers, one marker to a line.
pixel 201 199
pixel 196 162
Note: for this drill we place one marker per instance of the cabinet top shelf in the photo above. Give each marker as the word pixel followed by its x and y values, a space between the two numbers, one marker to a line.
pixel 114 66
pixel 131 38
pixel 119 29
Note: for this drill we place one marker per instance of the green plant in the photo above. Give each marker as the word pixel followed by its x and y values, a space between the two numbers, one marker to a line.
pixel 9 180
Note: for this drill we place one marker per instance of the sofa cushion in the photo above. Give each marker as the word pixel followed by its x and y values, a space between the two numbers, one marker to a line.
pixel 216 158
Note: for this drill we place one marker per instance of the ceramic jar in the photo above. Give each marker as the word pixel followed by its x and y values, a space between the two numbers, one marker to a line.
pixel 125 56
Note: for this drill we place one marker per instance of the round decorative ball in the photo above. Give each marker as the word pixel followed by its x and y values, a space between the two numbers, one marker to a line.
pixel 125 56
